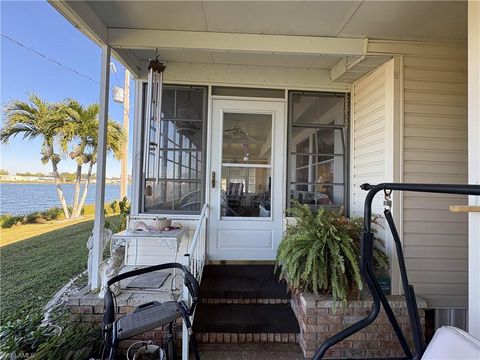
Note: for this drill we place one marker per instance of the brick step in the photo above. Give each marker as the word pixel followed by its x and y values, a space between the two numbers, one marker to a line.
pixel 251 351
pixel 243 301
pixel 246 338
pixel 218 323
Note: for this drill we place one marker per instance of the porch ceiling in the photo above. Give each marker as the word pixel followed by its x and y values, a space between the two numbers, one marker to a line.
pixel 238 58
pixel 402 20
pixel 310 35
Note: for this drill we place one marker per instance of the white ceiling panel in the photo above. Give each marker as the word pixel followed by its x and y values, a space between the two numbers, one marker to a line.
pixel 443 21
pixel 178 55
pixel 409 20
pixel 364 67
pixel 318 18
pixel 166 15
pixel 239 58
pixel 325 62
pixel 404 20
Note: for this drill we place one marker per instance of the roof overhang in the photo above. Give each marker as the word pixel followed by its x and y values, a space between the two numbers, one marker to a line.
pixel 333 58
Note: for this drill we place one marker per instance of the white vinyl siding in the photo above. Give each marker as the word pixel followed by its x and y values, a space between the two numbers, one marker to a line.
pixel 368 138
pixel 375 134
pixel 434 151
pixel 435 137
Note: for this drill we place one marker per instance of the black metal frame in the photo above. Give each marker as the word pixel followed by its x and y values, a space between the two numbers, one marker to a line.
pixel 366 269
pixel 109 331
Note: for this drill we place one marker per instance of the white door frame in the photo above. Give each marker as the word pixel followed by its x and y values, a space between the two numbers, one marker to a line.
pixel 246 238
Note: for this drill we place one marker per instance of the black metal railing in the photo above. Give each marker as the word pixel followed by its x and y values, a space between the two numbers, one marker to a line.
pixel 367 271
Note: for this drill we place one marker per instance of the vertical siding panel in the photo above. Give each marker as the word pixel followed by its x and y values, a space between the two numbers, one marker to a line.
pixel 434 151
pixel 368 137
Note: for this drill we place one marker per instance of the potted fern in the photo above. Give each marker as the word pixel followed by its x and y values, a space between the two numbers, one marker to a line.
pixel 320 253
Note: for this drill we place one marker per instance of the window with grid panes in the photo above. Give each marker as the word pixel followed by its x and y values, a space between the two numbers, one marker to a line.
pixel 317 169
pixel 174 164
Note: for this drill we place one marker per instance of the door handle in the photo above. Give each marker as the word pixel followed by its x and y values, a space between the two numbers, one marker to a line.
pixel 213 180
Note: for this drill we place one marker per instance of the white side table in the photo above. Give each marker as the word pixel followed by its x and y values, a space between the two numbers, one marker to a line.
pixel 166 243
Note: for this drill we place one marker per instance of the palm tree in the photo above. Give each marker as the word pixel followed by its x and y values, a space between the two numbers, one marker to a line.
pixel 37 119
pixel 81 134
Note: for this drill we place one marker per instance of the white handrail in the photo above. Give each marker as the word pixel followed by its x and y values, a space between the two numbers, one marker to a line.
pixel 196 234
pixel 194 260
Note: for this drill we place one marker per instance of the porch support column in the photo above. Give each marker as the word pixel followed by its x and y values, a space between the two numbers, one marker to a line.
pixel 99 223
pixel 474 165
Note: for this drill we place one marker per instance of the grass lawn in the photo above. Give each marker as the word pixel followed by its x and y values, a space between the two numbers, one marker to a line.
pixel 17 233
pixel 34 269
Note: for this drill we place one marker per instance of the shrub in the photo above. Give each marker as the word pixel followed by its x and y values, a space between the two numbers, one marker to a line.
pixel 321 253
pixel 30 218
pixel 110 209
pixel 51 214
pixel 123 207
pixel 23 334
pixel 88 209
pixel 8 221
pixel 77 341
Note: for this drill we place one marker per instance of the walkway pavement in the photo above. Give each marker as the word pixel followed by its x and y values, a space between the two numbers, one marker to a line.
pixel 250 352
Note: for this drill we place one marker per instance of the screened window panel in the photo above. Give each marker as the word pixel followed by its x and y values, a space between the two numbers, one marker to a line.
pixel 316 195
pixel 317 147
pixel 173 169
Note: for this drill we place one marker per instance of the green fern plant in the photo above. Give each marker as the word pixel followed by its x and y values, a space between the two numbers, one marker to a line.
pixel 320 253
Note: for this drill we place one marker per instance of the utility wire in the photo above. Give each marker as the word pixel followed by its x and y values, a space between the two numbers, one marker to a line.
pixel 56 62
pixel 49 59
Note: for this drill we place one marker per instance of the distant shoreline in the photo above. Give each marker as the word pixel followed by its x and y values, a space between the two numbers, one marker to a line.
pixel 53 182
pixel 19 198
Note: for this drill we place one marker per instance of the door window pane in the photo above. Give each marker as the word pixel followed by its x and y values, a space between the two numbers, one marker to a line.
pixel 246 160
pixel 247 138
pixel 245 192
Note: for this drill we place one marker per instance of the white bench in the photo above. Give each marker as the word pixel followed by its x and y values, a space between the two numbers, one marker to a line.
pixel 451 343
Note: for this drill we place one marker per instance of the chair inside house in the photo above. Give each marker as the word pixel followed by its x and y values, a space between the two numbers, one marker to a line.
pixel 264 204
pixel 150 315
pixel 191 201
pixel 234 195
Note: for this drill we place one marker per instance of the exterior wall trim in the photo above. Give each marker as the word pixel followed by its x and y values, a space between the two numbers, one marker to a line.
pixel 474 164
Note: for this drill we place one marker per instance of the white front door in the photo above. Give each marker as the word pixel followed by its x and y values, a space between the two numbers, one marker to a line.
pixel 247 179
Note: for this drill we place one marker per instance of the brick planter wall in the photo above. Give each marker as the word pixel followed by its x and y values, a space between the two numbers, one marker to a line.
pixel 318 321
pixel 86 307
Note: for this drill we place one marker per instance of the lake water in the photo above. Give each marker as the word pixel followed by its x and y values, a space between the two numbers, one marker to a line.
pixel 19 199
